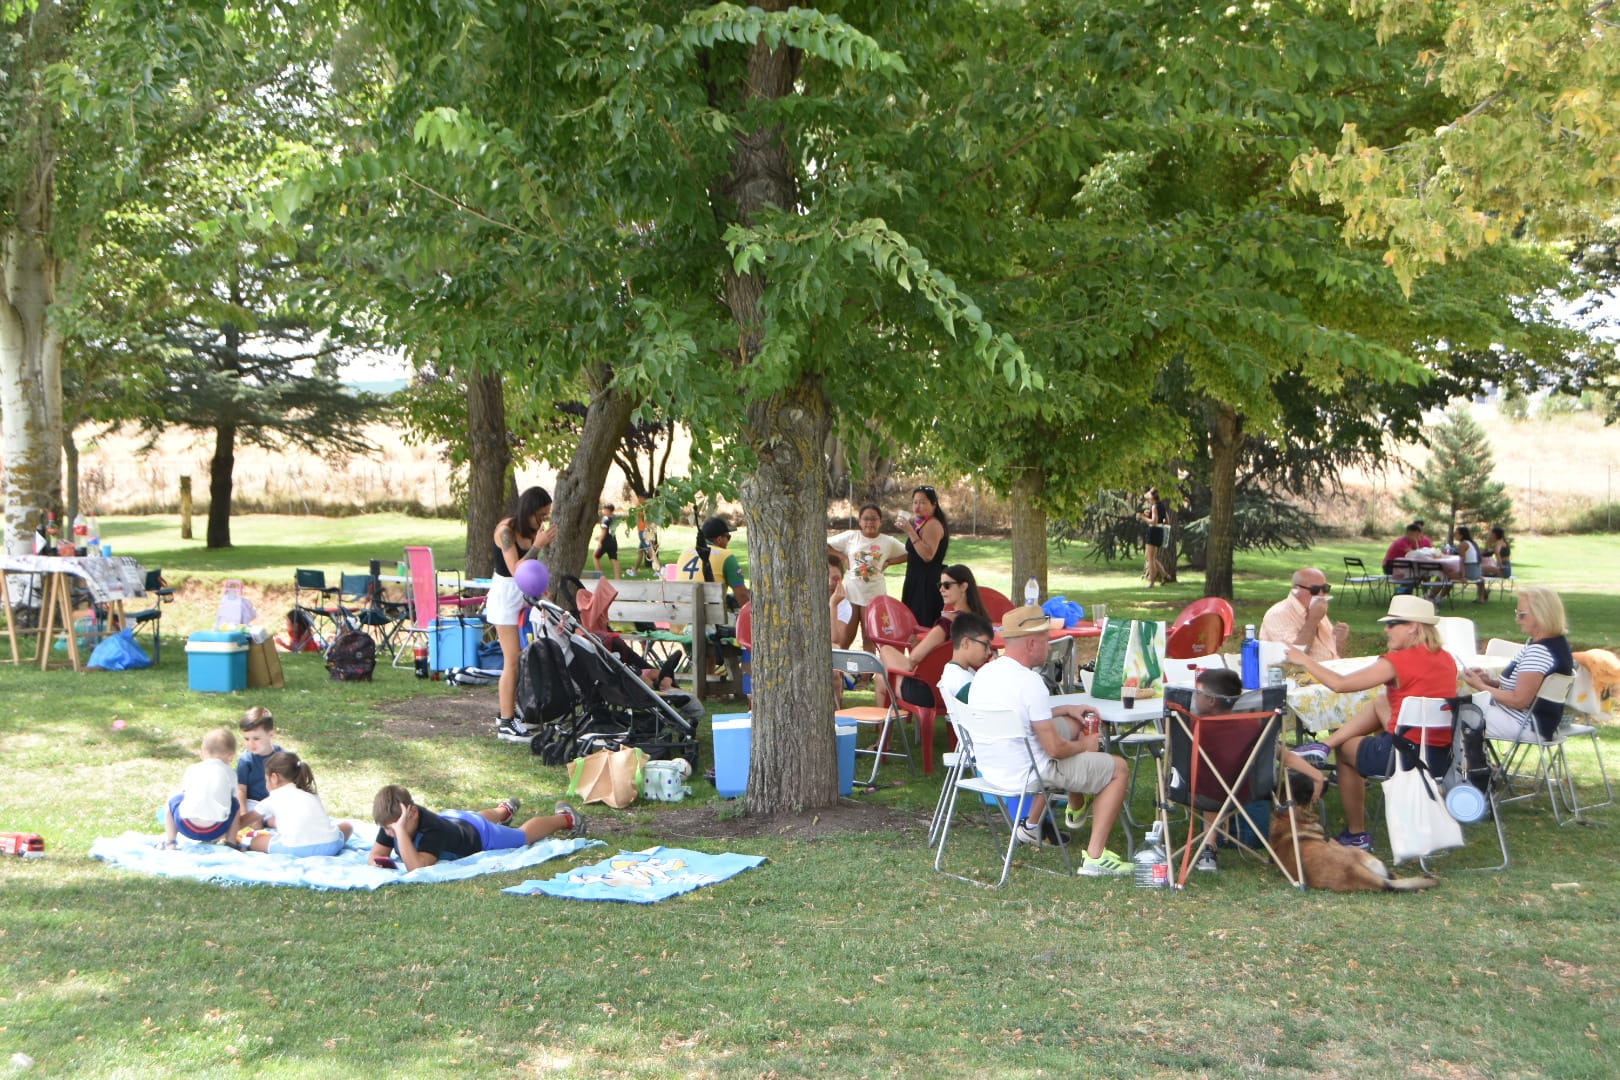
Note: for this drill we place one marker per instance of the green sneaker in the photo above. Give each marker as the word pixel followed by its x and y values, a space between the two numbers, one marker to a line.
pixel 1075 816
pixel 1105 865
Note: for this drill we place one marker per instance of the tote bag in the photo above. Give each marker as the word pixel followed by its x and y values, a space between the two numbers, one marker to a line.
pixel 1130 648
pixel 1416 815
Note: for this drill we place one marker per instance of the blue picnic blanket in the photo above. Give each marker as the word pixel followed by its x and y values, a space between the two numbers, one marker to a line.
pixel 349 870
pixel 642 877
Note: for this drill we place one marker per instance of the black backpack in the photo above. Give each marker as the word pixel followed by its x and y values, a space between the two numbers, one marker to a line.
pixel 352 657
pixel 544 692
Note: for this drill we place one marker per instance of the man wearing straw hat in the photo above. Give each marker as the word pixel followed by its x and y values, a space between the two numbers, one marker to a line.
pixel 1065 758
pixel 1366 746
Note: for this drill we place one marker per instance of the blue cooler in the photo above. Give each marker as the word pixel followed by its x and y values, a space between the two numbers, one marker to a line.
pixel 216 661
pixel 733 743
pixel 846 759
pixel 453 643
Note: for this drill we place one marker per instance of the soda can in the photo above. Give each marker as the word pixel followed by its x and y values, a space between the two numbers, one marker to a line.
pixel 1274 676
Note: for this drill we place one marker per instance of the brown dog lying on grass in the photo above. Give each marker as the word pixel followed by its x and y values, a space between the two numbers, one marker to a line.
pixel 1329 865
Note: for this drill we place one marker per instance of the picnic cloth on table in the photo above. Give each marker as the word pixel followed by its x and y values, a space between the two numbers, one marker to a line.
pixel 642 877
pixel 349 870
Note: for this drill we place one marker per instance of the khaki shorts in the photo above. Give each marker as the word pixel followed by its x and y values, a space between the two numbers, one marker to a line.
pixel 1086 773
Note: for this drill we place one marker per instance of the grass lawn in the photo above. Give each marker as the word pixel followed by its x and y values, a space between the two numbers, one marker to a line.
pixel 845 955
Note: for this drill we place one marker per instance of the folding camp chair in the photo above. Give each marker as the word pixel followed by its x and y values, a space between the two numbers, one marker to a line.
pixel 1222 763
pixel 955 762
pixel 317 601
pixel 362 607
pixel 152 617
pixel 427 603
pixel 999 735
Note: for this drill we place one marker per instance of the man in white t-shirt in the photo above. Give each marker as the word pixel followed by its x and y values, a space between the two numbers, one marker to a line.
pixel 1063 757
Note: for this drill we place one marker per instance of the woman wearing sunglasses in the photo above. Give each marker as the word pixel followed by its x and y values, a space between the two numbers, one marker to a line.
pixel 958 592
pixel 1512 710
pixel 928 536
pixel 1414 666
pixel 1301 618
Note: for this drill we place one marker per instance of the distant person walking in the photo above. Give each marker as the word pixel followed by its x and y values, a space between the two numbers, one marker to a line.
pixel 1156 516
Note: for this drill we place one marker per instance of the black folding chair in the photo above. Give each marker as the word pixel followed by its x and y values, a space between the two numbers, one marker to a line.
pixel 151 618
pixel 316 599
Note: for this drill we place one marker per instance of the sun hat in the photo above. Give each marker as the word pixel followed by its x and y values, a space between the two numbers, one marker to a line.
pixel 1025 622
pixel 1411 609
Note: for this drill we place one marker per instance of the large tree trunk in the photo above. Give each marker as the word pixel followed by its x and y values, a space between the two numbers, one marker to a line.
pixel 1028 533
pixel 30 370
pixel 793 766
pixel 220 471
pixel 489 469
pixel 1225 442
pixel 579 485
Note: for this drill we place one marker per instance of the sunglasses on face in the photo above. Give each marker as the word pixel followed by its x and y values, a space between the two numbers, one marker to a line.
pixel 1393 623
pixel 1315 590
pixel 949 584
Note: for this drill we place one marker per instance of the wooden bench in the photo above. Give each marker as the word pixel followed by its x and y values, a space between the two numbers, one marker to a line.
pixel 699 606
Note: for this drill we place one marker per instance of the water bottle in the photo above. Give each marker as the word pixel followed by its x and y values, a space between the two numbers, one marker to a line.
pixel 1251 659
pixel 1032 592
pixel 1152 864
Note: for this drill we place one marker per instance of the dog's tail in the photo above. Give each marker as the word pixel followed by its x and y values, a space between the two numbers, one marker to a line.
pixel 1409 884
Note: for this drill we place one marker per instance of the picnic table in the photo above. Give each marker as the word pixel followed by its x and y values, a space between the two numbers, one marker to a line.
pixel 61 581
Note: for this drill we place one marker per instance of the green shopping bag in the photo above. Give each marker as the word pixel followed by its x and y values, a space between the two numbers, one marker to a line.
pixel 1129 648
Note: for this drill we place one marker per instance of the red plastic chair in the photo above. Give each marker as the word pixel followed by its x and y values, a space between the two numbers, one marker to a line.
pixel 1200 629
pixel 995 603
pixel 745 626
pixel 889 622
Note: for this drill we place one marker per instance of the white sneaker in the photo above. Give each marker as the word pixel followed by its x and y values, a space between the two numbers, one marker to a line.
pixel 1027 833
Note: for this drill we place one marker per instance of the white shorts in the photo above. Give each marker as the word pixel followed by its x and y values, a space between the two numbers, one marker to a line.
pixel 504 603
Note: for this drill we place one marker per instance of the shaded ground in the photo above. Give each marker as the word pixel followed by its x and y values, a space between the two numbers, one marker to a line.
pixel 469 712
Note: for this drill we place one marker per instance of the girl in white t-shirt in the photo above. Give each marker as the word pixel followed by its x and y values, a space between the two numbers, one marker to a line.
pixel 867 552
pixel 295 814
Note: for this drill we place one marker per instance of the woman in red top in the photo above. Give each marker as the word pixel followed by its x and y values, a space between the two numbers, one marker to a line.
pixel 1414 666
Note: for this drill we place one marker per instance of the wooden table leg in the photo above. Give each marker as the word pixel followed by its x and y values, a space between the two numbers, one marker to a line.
pixel 7 614
pixel 58 603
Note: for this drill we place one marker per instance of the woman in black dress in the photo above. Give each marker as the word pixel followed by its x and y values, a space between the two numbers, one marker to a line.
pixel 1156 517
pixel 928 536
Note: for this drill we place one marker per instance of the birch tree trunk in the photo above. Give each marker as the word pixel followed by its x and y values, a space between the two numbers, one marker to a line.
pixel 30 367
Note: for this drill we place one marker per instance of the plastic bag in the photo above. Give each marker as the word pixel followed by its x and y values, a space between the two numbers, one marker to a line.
pixel 1416 815
pixel 120 653
pixel 1128 649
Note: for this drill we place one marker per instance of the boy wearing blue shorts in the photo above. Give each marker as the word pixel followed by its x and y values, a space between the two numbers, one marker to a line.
pixel 206 808
pixel 422 837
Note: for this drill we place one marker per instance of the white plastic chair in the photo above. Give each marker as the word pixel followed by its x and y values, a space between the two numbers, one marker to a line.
pixel 1457 714
pixel 1458 637
pixel 1551 768
pixel 976 729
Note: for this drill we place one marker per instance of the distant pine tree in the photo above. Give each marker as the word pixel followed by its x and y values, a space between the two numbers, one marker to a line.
pixel 1456 485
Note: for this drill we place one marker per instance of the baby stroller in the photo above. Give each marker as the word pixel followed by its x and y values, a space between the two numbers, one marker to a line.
pixel 582 697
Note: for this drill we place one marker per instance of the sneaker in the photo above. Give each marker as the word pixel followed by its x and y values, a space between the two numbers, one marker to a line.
pixel 576 820
pixel 1075 816
pixel 1027 833
pixel 511 806
pixel 1206 861
pixel 1105 865
pixel 511 729
pixel 1355 839
pixel 1316 753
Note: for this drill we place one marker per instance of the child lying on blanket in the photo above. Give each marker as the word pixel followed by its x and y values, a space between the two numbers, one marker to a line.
pixel 295 813
pixel 422 837
pixel 206 808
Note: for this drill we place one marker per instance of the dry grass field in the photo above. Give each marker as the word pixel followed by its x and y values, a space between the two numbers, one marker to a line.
pixel 1555 468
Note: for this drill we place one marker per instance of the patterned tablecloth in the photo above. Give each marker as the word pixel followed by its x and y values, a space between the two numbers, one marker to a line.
pixel 1320 710
pixel 118 578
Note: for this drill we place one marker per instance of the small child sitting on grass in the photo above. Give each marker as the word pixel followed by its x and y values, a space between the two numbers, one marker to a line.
pixel 206 808
pixel 298 818
pixel 422 837
pixel 259 733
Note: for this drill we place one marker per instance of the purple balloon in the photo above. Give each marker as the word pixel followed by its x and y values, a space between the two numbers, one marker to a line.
pixel 532 578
